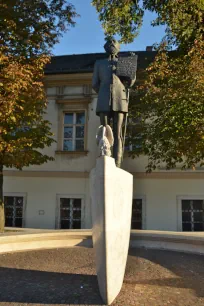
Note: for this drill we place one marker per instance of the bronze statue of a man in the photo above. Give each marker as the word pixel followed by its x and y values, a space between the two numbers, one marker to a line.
pixel 113 95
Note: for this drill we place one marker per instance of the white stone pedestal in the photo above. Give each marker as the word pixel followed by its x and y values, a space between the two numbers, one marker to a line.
pixel 111 201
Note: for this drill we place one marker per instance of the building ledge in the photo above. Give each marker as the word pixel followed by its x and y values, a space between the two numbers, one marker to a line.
pixel 72 153
pixel 32 239
pixel 63 174
pixel 73 101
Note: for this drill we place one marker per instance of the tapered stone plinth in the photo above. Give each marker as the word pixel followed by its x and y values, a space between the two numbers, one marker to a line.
pixel 111 200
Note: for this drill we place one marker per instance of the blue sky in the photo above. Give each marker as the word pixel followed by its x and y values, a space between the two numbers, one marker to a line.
pixel 88 36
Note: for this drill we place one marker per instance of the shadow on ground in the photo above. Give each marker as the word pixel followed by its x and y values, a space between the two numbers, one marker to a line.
pixel 67 277
pixel 27 286
pixel 187 270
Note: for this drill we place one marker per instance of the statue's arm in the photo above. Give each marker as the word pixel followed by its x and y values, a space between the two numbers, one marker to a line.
pixel 95 79
pixel 128 83
pixel 132 82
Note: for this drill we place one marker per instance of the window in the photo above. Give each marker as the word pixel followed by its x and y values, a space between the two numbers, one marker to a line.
pixel 133 139
pixel 133 147
pixel 73 131
pixel 19 130
pixel 136 222
pixel 192 215
pixel 70 213
pixel 13 211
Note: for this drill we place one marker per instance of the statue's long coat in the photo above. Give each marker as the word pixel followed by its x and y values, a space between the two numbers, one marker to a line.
pixel 111 92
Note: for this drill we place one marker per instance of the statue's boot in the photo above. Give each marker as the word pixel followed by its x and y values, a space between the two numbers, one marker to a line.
pixel 117 151
pixel 118 161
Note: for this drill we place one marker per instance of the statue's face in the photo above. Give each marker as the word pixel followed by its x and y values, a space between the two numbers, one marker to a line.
pixel 112 47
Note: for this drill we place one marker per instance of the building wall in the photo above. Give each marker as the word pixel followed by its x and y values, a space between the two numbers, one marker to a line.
pixel 161 199
pixel 75 162
pixel 41 196
pixel 69 173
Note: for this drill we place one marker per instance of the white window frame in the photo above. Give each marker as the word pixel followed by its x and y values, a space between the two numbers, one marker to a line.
pixel 179 199
pixel 70 196
pixel 24 196
pixel 74 125
pixel 143 198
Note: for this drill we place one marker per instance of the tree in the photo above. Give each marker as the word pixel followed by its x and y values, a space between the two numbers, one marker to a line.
pixel 183 19
pixel 122 17
pixel 29 29
pixel 172 111
pixel 169 102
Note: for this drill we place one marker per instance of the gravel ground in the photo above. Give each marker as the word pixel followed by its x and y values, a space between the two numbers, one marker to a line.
pixel 62 277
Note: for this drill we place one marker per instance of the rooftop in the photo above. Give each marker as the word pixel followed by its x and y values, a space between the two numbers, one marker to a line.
pixel 83 63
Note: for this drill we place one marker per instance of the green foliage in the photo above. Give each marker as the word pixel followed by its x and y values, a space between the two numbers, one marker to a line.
pixel 29 28
pixel 28 31
pixel 23 130
pixel 122 17
pixel 184 20
pixel 172 111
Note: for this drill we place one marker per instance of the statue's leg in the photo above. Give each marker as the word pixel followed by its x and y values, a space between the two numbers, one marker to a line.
pixel 105 119
pixel 117 133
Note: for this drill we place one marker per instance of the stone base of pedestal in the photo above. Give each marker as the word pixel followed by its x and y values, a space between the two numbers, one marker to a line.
pixel 111 200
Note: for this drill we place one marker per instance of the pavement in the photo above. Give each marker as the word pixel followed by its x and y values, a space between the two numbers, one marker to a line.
pixel 60 277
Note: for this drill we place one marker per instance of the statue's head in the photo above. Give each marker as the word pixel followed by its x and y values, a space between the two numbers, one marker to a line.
pixel 112 46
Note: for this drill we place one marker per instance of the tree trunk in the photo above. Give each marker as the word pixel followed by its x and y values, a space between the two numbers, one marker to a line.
pixel 1 201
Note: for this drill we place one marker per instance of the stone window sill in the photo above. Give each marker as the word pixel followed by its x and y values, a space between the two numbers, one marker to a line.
pixel 72 152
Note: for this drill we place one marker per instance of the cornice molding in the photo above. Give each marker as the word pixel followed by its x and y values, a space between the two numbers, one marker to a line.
pixel 169 175
pixel 61 174
pixel 73 101
pixel 81 174
pixel 68 79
